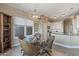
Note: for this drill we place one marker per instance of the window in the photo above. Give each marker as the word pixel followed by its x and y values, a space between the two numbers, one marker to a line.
pixel 19 30
pixel 36 26
pixel 29 30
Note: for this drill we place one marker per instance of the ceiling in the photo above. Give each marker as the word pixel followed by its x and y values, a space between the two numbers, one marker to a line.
pixel 51 10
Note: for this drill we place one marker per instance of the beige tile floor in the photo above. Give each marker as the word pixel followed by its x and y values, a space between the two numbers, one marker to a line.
pixel 57 51
pixel 15 51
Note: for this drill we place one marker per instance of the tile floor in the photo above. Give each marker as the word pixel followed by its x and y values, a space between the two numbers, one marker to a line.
pixel 57 51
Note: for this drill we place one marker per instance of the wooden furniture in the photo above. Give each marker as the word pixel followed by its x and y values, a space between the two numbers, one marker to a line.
pixel 5 32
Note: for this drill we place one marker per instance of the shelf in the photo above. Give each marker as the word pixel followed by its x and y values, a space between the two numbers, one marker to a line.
pixel 6 42
pixel 6 35
pixel 6 27
pixel 6 23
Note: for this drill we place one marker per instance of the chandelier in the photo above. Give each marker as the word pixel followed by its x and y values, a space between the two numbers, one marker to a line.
pixel 35 13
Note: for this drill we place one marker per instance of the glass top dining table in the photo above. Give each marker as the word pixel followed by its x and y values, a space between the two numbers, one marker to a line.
pixel 30 40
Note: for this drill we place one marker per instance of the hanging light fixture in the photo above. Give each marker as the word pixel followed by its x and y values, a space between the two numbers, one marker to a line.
pixel 35 13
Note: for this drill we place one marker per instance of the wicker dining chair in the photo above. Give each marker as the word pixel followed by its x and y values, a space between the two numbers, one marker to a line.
pixel 47 46
pixel 28 48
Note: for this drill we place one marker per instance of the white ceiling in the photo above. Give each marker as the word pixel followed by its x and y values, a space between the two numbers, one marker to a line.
pixel 49 9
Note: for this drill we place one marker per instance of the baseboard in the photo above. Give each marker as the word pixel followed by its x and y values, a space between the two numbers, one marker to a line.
pixel 67 46
pixel 16 45
pixel 61 45
pixel 74 46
